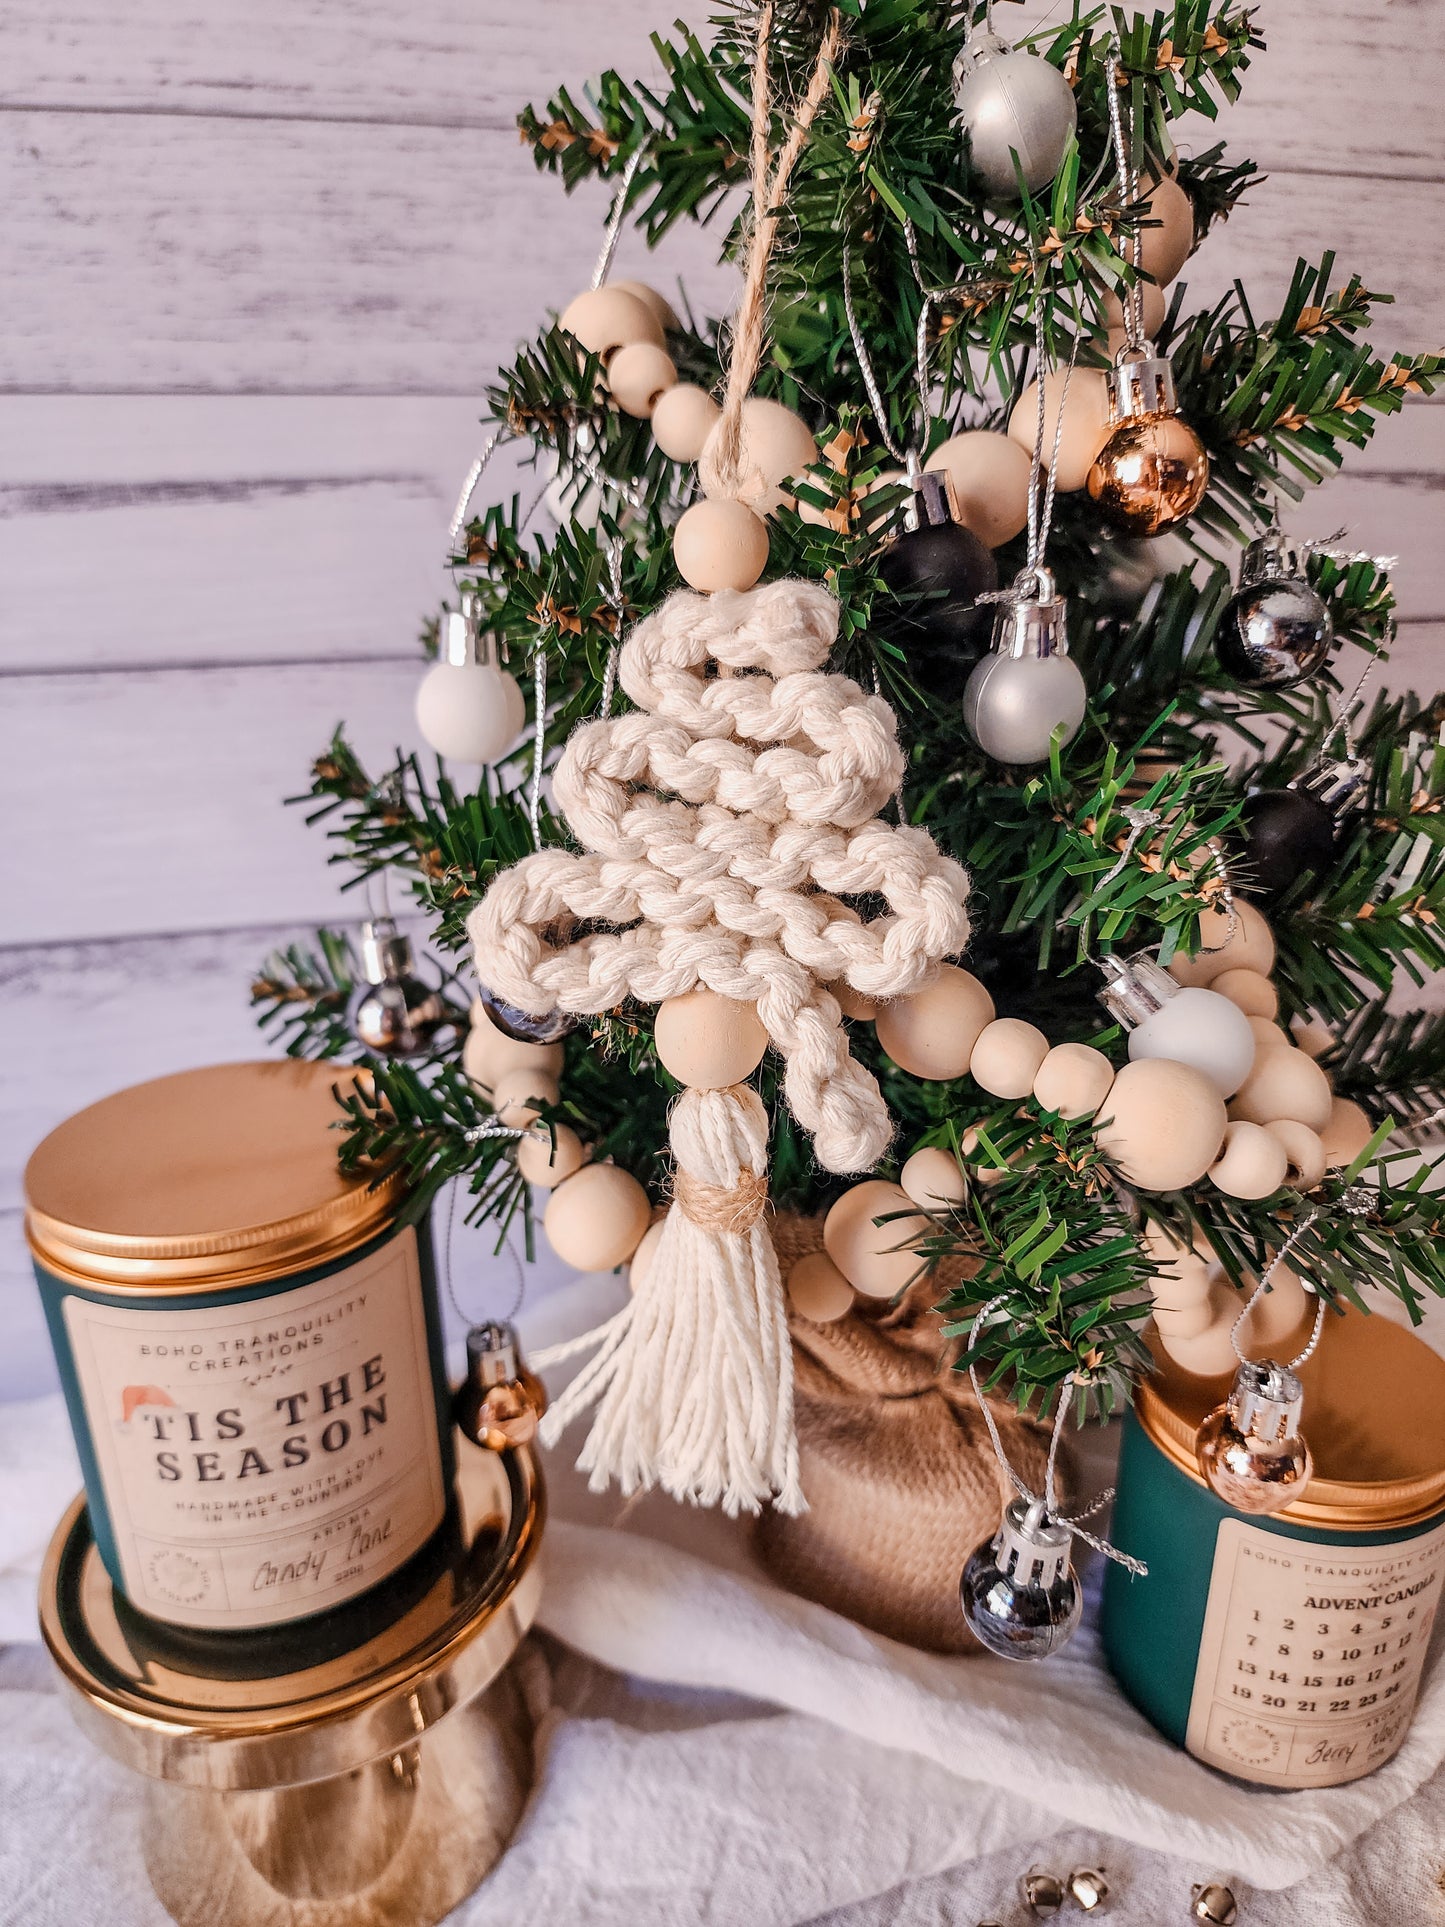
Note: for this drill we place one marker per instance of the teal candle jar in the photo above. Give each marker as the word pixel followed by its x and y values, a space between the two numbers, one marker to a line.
pixel 1287 1651
pixel 249 1344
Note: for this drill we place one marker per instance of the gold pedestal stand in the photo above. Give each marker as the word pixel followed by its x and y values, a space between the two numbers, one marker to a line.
pixel 337 1775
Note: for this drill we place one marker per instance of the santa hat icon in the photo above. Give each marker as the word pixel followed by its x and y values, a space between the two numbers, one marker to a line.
pixel 134 1396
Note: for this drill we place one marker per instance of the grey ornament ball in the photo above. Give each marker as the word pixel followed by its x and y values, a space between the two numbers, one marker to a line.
pixel 1013 704
pixel 521 1024
pixel 1019 1593
pixel 1013 102
pixel 1276 629
pixel 396 1015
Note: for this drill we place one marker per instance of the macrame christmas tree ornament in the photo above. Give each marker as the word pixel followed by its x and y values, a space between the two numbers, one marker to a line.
pixel 724 823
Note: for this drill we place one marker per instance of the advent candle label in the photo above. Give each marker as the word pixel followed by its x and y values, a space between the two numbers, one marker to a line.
pixel 1311 1655
pixel 269 1458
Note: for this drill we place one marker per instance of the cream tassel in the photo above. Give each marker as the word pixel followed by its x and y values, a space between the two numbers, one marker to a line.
pixel 693 1380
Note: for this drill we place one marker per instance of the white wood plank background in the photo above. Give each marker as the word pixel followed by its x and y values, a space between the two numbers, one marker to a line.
pixel 262 259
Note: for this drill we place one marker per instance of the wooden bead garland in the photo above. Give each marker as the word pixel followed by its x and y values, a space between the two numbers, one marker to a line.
pixel 874 1258
pixel 1255 995
pixel 932 1033
pixel 709 1041
pixel 933 1179
pixel 776 444
pixel 519 1096
pixel 1087 423
pixel 1251 1162
pixel 1166 241
pixel 1345 1133
pixel 719 544
pixel 1163 1124
pixel 1007 1057
pixel 682 420
pixel 548 1158
pixel 818 1290
pixel 638 376
pixel 1074 1080
pixel 608 318
pixel 1249 947
pixel 990 475
pixel 489 1054
pixel 1284 1084
pixel 1304 1152
pixel 597 1219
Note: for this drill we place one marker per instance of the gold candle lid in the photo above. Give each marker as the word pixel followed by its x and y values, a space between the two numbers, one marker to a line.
pixel 169 1705
pixel 1373 1396
pixel 216 1177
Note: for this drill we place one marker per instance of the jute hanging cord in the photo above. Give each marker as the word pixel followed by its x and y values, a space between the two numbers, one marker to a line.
pixel 721 823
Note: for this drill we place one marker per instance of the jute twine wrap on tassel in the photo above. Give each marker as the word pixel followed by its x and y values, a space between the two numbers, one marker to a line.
pixel 901 1478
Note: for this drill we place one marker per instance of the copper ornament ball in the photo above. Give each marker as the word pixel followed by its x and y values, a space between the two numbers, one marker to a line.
pixel 1149 476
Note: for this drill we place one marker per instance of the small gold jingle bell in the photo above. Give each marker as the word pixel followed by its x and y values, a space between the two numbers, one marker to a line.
pixel 500 1403
pixel 1214 1904
pixel 1044 1893
pixel 1089 1888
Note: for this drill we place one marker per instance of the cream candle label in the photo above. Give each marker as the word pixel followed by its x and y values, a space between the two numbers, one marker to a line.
pixel 1311 1655
pixel 265 1459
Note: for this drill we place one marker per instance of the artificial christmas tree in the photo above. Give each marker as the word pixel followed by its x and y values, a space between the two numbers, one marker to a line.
pixel 943 374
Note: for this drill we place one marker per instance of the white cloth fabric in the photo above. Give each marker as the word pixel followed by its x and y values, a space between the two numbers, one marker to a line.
pixel 717 1751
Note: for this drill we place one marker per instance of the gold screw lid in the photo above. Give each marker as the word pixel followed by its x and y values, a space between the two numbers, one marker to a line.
pixel 1373 1395
pixel 223 1176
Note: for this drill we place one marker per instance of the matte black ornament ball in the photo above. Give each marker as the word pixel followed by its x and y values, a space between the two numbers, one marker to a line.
pixel 521 1025
pixel 1275 629
pixel 1020 1596
pixel 1285 834
pixel 934 573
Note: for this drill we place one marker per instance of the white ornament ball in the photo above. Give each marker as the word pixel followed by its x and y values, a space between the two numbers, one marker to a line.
pixel 597 1219
pixel 469 712
pixel 548 1158
pixel 817 1290
pixel 1345 1133
pixel 660 307
pixel 489 1054
pixel 1201 1028
pixel 1012 705
pixel 776 444
pixel 1074 1080
pixel 641 1262
pixel 1018 112
pixel 608 318
pixel 1086 423
pixel 1007 1057
pixel 1304 1151
pixel 519 1096
pixel 708 1041
pixel 1255 995
pixel 720 545
pixel 1251 947
pixel 1284 1083
pixel 1163 249
pixel 1162 1125
pixel 933 1179
pixel 638 376
pixel 682 420
pixel 868 1254
pixel 990 475
pixel 1251 1163
pixel 932 1033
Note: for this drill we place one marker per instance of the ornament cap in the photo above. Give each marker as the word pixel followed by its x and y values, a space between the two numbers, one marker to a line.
pixel 1134 988
pixel 457 636
pixel 1031 1548
pixel 1272 557
pixel 1266 1400
pixel 935 500
pixel 491 1354
pixel 1034 622
pixel 1335 783
pixel 1141 384
pixel 385 953
pixel 981 46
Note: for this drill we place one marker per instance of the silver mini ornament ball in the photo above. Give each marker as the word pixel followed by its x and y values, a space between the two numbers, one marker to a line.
pixel 1013 103
pixel 1028 686
pixel 1020 1596
pixel 397 1015
pixel 1043 1893
pixel 1214 1904
pixel 522 1025
pixel 1276 629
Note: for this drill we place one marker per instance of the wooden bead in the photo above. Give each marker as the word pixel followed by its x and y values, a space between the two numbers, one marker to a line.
pixel 642 1258
pixel 1086 423
pixel 1251 1163
pixel 868 1254
pixel 1267 1035
pixel 1250 948
pixel 853 1003
pixel 1346 1132
pixel 547 1158
pixel 661 308
pixel 519 1096
pixel 982 1170
pixel 597 1218
pixel 682 420
pixel 708 1041
pixel 776 444
pixel 1209 1353
pixel 1163 249
pixel 1183 1321
pixel 1073 1080
pixel 1007 1056
pixel 990 476
pixel 932 1033
pixel 720 545
pixel 1155 306
pixel 1284 1083
pixel 489 1053
pixel 1311 1036
pixel 608 318
pixel 1186 1273
pixel 1255 995
pixel 1163 1124
pixel 1304 1152
pixel 933 1179
pixel 1279 1313
pixel 817 1290
pixel 638 376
